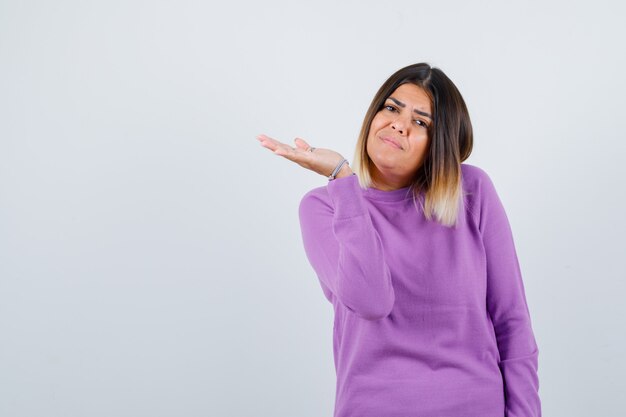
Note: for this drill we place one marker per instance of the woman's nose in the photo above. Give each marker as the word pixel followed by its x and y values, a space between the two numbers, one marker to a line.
pixel 398 125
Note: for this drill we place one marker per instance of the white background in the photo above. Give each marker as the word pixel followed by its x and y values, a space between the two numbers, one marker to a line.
pixel 151 261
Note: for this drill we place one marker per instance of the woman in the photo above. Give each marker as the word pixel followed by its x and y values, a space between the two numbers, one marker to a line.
pixel 430 311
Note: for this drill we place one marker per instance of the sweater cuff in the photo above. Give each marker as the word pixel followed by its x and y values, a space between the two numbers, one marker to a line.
pixel 347 197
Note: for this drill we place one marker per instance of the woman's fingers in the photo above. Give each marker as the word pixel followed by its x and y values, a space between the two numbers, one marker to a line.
pixel 295 154
pixel 321 162
pixel 282 149
pixel 272 143
pixel 301 143
pixel 268 142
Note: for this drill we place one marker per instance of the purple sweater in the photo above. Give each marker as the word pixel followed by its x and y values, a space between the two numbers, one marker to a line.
pixel 428 320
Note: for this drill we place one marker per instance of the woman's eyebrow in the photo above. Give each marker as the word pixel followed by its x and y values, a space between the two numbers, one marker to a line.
pixel 401 104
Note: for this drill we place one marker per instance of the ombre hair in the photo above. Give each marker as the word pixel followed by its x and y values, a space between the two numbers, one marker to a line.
pixel 437 183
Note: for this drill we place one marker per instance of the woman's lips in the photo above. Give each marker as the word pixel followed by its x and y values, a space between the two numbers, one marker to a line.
pixel 391 142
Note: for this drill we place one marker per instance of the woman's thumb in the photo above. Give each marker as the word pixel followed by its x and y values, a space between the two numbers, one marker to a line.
pixel 301 143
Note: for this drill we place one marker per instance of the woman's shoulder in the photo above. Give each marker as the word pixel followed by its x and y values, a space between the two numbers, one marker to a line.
pixel 315 199
pixel 473 173
pixel 317 193
pixel 475 179
pixel 323 195
pixel 477 187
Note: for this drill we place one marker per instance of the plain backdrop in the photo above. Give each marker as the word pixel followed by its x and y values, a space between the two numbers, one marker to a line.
pixel 151 261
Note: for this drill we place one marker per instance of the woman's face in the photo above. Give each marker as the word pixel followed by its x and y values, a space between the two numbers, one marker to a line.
pixel 398 137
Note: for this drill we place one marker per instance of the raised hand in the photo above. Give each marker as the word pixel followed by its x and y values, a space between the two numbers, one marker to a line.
pixel 322 161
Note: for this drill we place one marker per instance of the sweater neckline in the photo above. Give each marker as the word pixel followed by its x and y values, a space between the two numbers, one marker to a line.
pixel 393 195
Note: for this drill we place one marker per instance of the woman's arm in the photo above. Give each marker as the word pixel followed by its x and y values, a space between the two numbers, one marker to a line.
pixel 339 238
pixel 345 250
pixel 506 303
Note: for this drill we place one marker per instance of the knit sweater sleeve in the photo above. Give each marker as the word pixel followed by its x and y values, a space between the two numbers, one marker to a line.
pixel 345 250
pixel 507 307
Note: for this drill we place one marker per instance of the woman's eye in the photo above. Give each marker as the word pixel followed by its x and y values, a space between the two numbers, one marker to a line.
pixel 417 121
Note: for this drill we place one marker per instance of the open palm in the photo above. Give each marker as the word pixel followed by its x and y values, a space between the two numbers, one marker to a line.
pixel 322 161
